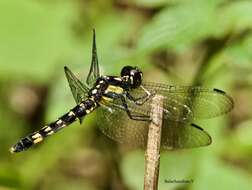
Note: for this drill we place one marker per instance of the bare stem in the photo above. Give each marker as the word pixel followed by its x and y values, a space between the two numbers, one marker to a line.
pixel 152 155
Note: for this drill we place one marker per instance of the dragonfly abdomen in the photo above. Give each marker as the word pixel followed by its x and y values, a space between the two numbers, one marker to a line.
pixel 78 111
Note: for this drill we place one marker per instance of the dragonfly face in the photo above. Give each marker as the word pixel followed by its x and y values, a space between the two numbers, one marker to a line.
pixel 133 75
pixel 124 107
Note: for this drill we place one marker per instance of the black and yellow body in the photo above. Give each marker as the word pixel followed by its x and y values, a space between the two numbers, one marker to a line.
pixel 105 89
pixel 77 112
pixel 127 97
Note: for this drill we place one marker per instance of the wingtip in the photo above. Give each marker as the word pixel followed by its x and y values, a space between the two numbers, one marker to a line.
pixel 66 69
pixel 219 91
pixel 94 37
pixel 205 132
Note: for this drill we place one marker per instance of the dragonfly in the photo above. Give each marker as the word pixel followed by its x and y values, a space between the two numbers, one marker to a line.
pixel 123 104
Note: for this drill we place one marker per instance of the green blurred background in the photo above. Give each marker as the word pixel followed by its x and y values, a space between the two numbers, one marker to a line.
pixel 192 42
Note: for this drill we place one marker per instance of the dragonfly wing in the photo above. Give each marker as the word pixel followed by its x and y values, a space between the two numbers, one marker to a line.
pixel 116 124
pixel 78 89
pixel 94 72
pixel 177 135
pixel 184 103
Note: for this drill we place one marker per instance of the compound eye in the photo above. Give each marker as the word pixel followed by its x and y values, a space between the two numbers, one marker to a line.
pixel 126 71
pixel 137 79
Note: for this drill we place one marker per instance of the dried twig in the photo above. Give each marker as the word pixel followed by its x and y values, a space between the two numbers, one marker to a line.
pixel 152 155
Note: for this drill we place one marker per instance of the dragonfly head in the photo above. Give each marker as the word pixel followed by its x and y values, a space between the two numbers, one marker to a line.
pixel 132 75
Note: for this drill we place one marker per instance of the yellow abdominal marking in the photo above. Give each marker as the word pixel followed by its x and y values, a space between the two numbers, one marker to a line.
pixel 59 122
pixel 38 140
pixel 50 133
pixel 71 113
pixel 94 91
pixel 47 129
pixel 89 110
pixel 37 135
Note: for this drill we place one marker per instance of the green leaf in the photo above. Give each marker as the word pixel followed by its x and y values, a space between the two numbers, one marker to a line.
pixel 179 26
pixel 212 174
pixel 236 16
pixel 34 37
pixel 240 53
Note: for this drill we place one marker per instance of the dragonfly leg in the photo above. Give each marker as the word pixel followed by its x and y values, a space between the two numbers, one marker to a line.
pixel 132 116
pixel 143 99
pixel 124 106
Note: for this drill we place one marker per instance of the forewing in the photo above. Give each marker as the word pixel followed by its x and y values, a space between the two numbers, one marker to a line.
pixel 116 124
pixel 94 72
pixel 184 103
pixel 79 90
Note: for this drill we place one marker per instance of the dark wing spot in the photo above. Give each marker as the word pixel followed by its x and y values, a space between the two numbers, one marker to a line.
pixel 198 127
pixel 219 91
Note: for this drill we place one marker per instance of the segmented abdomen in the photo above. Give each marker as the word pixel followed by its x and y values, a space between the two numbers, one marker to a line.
pixel 78 111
